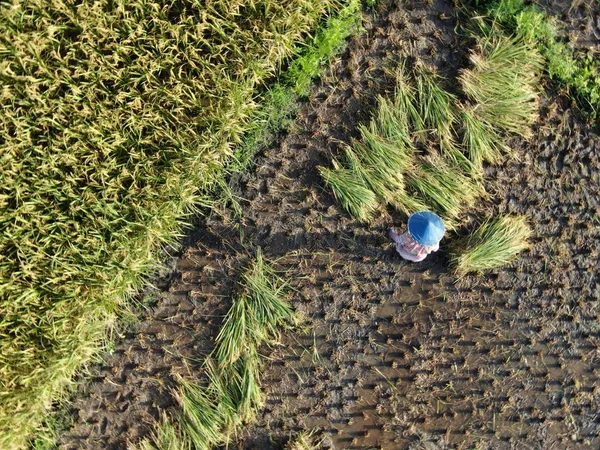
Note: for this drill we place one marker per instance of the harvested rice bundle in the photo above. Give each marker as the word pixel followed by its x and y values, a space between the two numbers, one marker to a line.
pixel 504 81
pixel 351 190
pixel 494 244
pixel 483 141
pixel 448 190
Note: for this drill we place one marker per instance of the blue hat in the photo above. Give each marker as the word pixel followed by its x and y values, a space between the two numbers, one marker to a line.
pixel 426 228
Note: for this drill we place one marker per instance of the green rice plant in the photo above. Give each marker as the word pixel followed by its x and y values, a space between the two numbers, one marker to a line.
pixel 115 122
pixel 388 158
pixel 438 111
pixel 409 203
pixel 267 307
pixel 376 180
pixel 392 122
pixel 234 334
pixel 436 106
pixel 482 140
pixel 351 190
pixel 494 244
pixel 504 82
pixel 201 419
pixel 241 386
pixel 406 100
pixel 448 190
pixel 258 312
pixel 575 69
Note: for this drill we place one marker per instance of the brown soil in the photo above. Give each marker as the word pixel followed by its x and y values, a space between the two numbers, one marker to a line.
pixel 396 355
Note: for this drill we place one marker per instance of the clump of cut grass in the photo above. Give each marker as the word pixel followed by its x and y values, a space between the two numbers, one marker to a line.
pixel 406 100
pixel 392 122
pixel 438 111
pixel 436 106
pixel 201 419
pixel 494 244
pixel 504 82
pixel 266 292
pixel 256 315
pixel 239 386
pixel 304 441
pixel 232 396
pixel 351 190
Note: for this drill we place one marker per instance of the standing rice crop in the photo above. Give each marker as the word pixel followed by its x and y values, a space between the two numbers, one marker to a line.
pixel 494 244
pixel 114 118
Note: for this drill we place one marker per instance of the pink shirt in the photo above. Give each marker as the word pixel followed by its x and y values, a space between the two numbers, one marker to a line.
pixel 411 250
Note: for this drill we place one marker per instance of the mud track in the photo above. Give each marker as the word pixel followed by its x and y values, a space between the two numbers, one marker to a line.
pixel 394 355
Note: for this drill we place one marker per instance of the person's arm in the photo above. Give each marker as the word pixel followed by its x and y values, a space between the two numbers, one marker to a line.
pixel 395 237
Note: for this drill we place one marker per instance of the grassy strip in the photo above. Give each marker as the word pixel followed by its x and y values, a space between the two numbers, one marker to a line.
pixel 210 414
pixel 492 245
pixel 113 119
pixel 579 72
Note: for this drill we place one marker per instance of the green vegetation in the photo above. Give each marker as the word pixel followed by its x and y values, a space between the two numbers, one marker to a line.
pixel 115 120
pixel 304 441
pixel 493 244
pixel 232 397
pixel 280 102
pixel 443 187
pixel 577 70
pixel 483 141
pixel 424 149
pixel 385 167
pixel 350 189
pixel 503 82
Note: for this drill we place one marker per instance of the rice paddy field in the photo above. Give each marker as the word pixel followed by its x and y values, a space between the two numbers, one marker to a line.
pixel 450 353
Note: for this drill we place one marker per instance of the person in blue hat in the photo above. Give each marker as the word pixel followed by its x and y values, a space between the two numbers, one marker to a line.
pixel 425 231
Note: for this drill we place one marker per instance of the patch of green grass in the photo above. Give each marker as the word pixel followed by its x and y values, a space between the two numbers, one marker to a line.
pixel 503 82
pixel 202 421
pixel 168 436
pixel 578 70
pixel 447 190
pixel 406 100
pixel 494 244
pixel 114 123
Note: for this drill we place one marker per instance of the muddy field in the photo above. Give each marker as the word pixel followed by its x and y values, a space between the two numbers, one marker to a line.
pixel 393 355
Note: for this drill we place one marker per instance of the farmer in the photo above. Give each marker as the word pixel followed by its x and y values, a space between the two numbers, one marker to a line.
pixel 425 231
